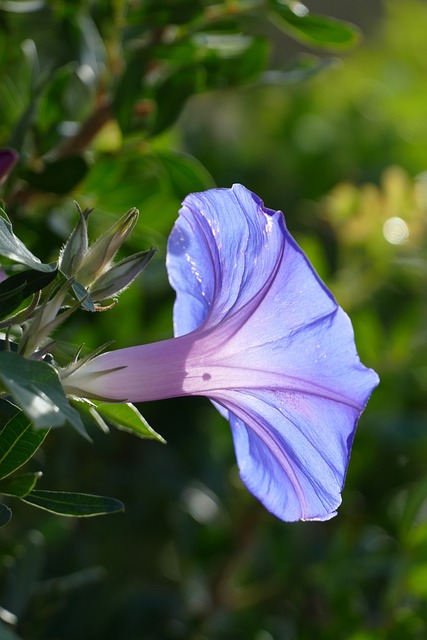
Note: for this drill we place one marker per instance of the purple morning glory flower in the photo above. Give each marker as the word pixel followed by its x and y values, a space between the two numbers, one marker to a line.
pixel 261 336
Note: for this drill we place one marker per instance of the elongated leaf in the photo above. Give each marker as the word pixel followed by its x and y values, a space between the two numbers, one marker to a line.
pixel 12 247
pixel 126 417
pixel 18 443
pixel 5 516
pixel 36 389
pixel 20 286
pixel 78 505
pixel 318 31
pixel 19 486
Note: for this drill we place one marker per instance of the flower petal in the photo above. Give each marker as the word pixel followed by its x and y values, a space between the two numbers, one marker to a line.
pixel 222 248
pixel 281 357
pixel 292 451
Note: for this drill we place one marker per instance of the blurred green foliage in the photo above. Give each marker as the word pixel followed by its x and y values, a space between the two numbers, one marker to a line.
pixel 125 104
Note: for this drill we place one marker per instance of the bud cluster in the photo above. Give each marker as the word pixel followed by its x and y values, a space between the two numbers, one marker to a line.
pixel 86 274
pixel 92 266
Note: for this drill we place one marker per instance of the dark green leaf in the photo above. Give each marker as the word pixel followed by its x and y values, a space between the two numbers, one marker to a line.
pixel 185 173
pixel 79 505
pixel 19 486
pixel 128 92
pixel 166 12
pixel 232 59
pixel 36 389
pixel 7 409
pixel 18 443
pixel 126 417
pixel 140 178
pixel 11 247
pixel 60 176
pixel 20 286
pixel 318 31
pixel 5 516
pixel 171 96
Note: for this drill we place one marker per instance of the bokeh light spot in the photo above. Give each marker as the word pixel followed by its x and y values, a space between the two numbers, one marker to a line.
pixel 395 230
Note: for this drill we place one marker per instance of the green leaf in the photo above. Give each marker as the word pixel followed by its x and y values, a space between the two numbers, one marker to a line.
pixel 128 91
pixel 19 486
pixel 231 59
pixel 36 389
pixel 20 286
pixel 318 31
pixel 60 176
pixel 126 417
pixel 79 505
pixel 18 443
pixel 7 409
pixel 162 14
pixel 5 516
pixel 11 247
pixel 171 96
pixel 185 173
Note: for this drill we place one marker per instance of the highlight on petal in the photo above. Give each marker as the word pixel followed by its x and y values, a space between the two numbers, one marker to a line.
pixel 280 352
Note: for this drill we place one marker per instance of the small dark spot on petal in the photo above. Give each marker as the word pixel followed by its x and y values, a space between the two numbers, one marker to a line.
pixel 206 376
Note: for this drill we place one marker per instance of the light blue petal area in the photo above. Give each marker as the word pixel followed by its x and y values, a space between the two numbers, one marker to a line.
pixel 292 451
pixel 222 249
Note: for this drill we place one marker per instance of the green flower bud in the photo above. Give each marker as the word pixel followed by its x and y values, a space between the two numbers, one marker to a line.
pixel 98 257
pixel 120 275
pixel 75 248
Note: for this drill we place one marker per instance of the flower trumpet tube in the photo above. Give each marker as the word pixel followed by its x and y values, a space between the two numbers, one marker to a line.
pixel 259 334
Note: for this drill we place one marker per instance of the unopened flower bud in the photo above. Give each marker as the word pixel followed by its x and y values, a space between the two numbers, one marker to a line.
pixel 76 246
pixel 120 275
pixel 99 256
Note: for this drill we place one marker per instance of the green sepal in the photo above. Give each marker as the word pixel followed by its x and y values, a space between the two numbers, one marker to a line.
pixel 126 417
